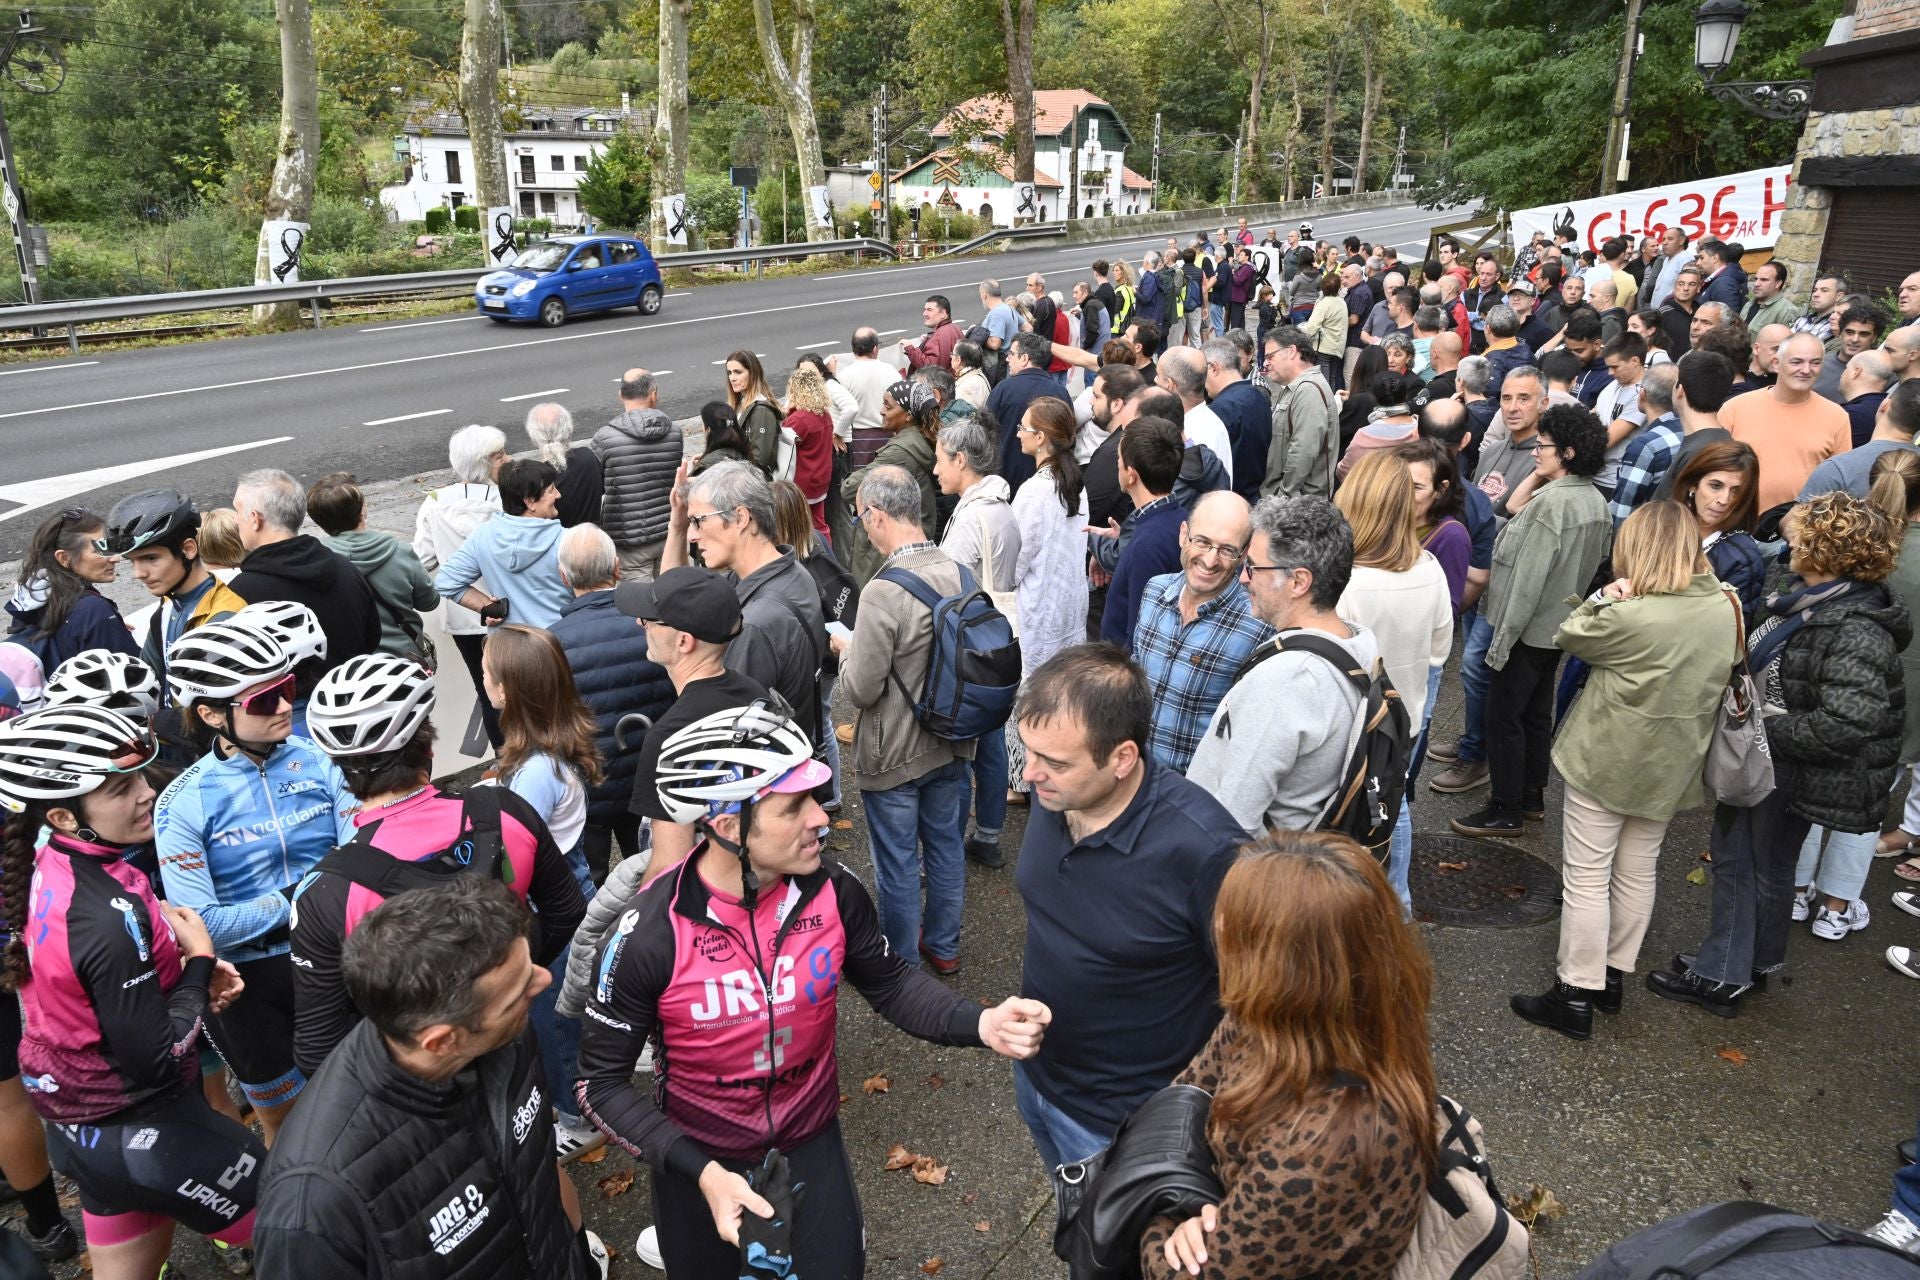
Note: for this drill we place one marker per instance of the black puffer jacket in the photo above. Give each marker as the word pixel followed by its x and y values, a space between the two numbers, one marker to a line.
pixel 380 1173
pixel 607 652
pixel 1846 703
pixel 639 452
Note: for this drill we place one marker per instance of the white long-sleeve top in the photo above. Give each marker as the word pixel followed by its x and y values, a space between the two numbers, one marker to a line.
pixel 1411 617
pixel 1052 570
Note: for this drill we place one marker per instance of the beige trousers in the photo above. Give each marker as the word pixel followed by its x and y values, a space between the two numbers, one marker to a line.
pixel 1607 873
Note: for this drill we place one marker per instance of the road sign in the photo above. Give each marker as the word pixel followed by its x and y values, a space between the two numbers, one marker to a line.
pixel 7 198
pixel 874 205
pixel 873 180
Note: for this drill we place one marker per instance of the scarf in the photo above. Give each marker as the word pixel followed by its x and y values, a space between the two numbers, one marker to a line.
pixel 1793 607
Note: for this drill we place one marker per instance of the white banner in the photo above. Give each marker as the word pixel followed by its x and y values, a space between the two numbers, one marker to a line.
pixel 673 212
pixel 499 228
pixel 284 242
pixel 1745 208
pixel 822 209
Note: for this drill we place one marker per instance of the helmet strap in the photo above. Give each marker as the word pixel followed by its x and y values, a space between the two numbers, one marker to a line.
pixel 749 881
pixel 187 565
pixel 255 751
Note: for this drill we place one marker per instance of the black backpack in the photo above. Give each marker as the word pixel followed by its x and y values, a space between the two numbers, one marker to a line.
pixel 480 848
pixel 1368 801
pixel 1744 1238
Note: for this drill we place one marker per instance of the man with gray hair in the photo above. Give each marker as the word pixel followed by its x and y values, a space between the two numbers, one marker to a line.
pixel 640 449
pixel 1150 300
pixel 1002 321
pixel 1650 454
pixel 1183 371
pixel 728 512
pixel 1243 410
pixel 1708 315
pixel 1506 350
pixel 1473 378
pixel 284 564
pixel 582 477
pixel 1276 750
pixel 608 656
pixel 912 783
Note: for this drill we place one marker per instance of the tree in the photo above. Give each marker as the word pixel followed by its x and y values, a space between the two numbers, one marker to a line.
pixel 1016 29
pixel 480 101
pixel 364 58
pixel 793 85
pixel 290 195
pixel 1250 38
pixel 712 205
pixel 617 188
pixel 670 119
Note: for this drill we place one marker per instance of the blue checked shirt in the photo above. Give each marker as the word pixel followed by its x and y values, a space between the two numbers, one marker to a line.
pixel 1190 666
pixel 1644 465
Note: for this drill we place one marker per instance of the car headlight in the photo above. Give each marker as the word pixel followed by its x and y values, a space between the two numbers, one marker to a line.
pixel 522 289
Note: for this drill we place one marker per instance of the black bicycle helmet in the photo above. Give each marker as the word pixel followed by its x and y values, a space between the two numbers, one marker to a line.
pixel 152 518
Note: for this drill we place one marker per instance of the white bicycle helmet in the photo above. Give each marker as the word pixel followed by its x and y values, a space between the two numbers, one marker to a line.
pixel 102 678
pixel 289 622
pixel 731 758
pixel 219 661
pixel 370 705
pixel 58 753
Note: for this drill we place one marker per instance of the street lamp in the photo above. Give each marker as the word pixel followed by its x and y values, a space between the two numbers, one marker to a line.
pixel 1716 32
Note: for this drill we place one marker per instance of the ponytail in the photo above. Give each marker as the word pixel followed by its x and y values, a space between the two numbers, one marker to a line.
pixel 1895 484
pixel 16 889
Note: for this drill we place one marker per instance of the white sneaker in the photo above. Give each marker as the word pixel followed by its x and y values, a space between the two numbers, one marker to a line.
pixel 597 1250
pixel 1903 959
pixel 647 1249
pixel 1908 901
pixel 645 1064
pixel 570 1142
pixel 1802 904
pixel 1898 1230
pixel 1835 925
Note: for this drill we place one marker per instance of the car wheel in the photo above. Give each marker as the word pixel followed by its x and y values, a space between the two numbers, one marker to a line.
pixel 553 313
pixel 650 300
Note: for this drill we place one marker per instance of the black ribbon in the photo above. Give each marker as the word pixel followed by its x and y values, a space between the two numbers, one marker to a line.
pixel 1026 200
pixel 291 238
pixel 677 211
pixel 503 233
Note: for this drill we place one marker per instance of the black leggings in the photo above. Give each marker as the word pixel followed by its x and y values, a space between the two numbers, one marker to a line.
pixel 470 648
pixel 829 1239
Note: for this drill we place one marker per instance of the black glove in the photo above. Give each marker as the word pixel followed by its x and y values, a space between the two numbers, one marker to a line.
pixel 766 1244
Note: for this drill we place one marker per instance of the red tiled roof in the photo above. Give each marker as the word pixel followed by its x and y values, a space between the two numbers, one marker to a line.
pixel 1134 181
pixel 1004 168
pixel 1053 111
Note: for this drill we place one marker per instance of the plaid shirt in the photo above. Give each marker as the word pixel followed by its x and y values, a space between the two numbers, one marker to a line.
pixel 1644 465
pixel 1190 666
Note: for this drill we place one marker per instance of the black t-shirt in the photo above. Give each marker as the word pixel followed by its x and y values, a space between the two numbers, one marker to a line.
pixel 701 698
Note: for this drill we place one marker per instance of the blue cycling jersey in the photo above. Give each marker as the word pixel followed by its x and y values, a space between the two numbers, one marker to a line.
pixel 232 834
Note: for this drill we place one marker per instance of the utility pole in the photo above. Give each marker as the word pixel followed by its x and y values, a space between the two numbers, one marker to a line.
pixel 1073 170
pixel 1239 145
pixel 14 197
pixel 1156 157
pixel 884 221
pixel 1399 158
pixel 1618 124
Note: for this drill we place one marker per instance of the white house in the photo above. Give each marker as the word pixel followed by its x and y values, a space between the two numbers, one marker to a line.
pixel 547 155
pixel 976 179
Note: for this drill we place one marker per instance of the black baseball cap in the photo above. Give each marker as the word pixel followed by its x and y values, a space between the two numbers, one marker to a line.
pixel 699 602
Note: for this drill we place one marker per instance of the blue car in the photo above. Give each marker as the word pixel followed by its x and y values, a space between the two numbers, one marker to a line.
pixel 571 275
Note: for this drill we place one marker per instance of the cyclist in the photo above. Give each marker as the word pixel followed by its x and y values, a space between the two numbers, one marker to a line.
pixel 238 829
pixel 371 714
pixel 733 958
pixel 158 532
pixel 113 986
pixel 117 682
pixel 298 630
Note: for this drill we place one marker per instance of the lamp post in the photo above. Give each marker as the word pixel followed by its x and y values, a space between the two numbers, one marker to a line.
pixel 1716 32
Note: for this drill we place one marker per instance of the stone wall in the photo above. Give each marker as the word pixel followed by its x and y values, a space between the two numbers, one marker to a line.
pixel 1836 134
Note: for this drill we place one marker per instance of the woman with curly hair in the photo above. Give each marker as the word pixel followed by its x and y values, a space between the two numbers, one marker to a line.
pixel 810 418
pixel 1827 657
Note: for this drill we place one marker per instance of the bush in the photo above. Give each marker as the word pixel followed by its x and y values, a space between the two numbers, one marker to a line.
pixel 467 218
pixel 713 206
pixel 617 187
pixel 437 220
pixel 344 224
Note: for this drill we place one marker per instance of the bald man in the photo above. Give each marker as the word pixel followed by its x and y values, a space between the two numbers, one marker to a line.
pixel 1863 385
pixel 1765 368
pixel 1790 428
pixel 1902 350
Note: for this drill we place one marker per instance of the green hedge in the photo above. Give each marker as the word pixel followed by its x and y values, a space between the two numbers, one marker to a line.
pixel 467 218
pixel 437 220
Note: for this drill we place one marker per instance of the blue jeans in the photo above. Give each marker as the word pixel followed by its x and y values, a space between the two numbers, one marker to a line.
pixel 829 742
pixel 987 780
pixel 925 815
pixel 1217 314
pixel 1400 847
pixel 1906 1185
pixel 1060 1138
pixel 1754 852
pixel 1475 677
pixel 559 1041
pixel 1841 866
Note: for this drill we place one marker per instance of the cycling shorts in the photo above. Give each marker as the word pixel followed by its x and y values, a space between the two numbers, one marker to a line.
pixel 255 1034
pixel 829 1237
pixel 180 1160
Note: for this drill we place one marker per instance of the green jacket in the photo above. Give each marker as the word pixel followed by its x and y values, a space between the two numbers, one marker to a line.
pixel 1548 552
pixel 908 449
pixel 1782 310
pixel 1636 737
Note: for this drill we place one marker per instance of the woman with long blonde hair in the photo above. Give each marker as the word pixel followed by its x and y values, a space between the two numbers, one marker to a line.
pixel 1321 1064
pixel 810 418
pixel 1399 592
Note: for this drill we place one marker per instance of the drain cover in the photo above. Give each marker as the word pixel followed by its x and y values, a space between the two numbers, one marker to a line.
pixel 1480 884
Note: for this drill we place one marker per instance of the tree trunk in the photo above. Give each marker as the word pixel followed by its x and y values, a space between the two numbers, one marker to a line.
pixel 1329 105
pixel 1369 107
pixel 1294 126
pixel 793 85
pixel 1263 59
pixel 670 115
pixel 1016 26
pixel 480 101
pixel 290 196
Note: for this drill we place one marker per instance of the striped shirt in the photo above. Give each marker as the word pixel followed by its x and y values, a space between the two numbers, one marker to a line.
pixel 1643 465
pixel 1190 665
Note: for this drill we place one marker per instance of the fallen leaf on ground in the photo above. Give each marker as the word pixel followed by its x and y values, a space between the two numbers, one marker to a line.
pixel 1536 1203
pixel 986 1002
pixel 1452 868
pixel 594 1156
pixel 616 1184
pixel 876 1084
pixel 932 1266
pixel 844 1098
pixel 968 1197
pixel 1514 892
pixel 85 1260
pixel 925 1170
pixel 1745 1185
pixel 983 1226
pixel 1732 1055
pixel 1697 876
pixel 844 824
pixel 898 1157
pixel 934 1081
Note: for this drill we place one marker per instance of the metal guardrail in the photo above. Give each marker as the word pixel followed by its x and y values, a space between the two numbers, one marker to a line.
pixel 1033 232
pixel 314 292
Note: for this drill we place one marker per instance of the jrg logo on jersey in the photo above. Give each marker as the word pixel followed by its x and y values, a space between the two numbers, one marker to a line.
pixel 454 1222
pixel 737 992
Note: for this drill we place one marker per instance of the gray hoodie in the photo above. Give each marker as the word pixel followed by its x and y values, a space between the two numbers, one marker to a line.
pixel 399 582
pixel 640 450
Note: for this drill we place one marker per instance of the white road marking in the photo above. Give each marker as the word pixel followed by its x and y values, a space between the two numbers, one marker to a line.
pixel 34 494
pixel 684 293
pixel 888 333
pixel 534 395
pixel 815 346
pixel 49 368
pixel 407 417
pixel 419 324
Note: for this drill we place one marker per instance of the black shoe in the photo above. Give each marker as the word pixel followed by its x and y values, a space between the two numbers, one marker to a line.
pixel 1608 1001
pixel 987 855
pixel 59 1244
pixel 1909 1151
pixel 1718 998
pixel 1568 1010
pixel 1683 963
pixel 1490 821
pixel 1534 806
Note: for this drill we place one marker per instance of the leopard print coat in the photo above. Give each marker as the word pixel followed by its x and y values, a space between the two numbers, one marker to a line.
pixel 1297 1206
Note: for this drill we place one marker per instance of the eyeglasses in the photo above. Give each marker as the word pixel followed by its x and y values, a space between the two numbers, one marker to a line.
pixel 1250 567
pixel 860 514
pixel 267 701
pixel 1208 547
pixel 694 522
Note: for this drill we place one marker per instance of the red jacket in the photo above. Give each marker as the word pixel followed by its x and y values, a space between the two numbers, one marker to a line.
pixel 813 460
pixel 936 349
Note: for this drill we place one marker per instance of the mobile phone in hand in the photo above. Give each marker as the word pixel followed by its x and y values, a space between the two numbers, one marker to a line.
pixel 495 612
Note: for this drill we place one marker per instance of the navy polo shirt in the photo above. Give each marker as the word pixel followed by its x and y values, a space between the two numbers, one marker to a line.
pixel 1482 528
pixel 1120 945
pixel 1248 418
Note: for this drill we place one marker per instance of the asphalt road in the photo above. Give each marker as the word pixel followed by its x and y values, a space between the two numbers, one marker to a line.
pixel 381 399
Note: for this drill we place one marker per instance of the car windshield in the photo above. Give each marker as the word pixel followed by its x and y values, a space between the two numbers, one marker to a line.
pixel 545 256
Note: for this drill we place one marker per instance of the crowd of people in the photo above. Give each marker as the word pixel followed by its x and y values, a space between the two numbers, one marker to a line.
pixel 275 984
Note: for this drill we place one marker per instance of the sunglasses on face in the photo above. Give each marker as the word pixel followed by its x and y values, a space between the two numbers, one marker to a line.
pixel 266 702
